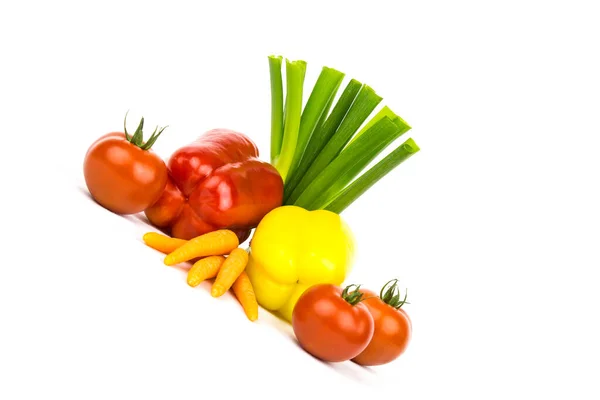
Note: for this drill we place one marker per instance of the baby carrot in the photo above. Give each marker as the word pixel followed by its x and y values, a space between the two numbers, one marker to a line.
pixel 232 267
pixel 243 290
pixel 205 268
pixel 162 243
pixel 216 243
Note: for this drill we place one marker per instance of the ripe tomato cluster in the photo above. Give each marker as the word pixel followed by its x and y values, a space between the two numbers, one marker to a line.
pixel 335 324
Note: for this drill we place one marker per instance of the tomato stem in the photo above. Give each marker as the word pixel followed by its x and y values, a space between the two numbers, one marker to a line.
pixel 392 295
pixel 138 136
pixel 353 297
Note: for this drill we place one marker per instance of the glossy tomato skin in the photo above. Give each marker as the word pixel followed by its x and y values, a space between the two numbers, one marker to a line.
pixel 330 328
pixel 393 331
pixel 122 177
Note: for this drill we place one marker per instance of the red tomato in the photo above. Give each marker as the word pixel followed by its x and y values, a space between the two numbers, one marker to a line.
pixel 332 324
pixel 122 173
pixel 393 328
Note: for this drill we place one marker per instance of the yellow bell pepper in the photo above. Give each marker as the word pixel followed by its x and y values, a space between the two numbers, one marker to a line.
pixel 293 249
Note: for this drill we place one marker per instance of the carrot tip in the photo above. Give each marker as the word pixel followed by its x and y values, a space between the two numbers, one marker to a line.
pixel 192 283
pixel 216 291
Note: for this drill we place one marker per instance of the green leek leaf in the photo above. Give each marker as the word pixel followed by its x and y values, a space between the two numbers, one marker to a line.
pixel 322 135
pixel 361 108
pixel 276 105
pixel 325 89
pixel 295 73
pixel 364 182
pixel 350 162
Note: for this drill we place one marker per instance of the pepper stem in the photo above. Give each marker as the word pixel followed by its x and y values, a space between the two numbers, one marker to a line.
pixel 137 138
pixel 353 297
pixel 391 295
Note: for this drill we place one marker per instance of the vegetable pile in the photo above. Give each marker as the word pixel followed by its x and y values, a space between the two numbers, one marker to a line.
pixel 209 195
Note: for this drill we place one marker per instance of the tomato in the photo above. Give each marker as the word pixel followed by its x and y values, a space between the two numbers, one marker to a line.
pixel 122 173
pixel 332 324
pixel 393 327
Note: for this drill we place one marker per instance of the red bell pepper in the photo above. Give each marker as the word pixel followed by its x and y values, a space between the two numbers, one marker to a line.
pixel 216 182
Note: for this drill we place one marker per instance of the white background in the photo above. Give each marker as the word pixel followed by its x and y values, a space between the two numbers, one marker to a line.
pixel 493 226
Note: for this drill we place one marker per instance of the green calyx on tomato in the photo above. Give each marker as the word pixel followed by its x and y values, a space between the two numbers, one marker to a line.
pixel 137 139
pixel 391 296
pixel 123 174
pixel 353 297
pixel 329 327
